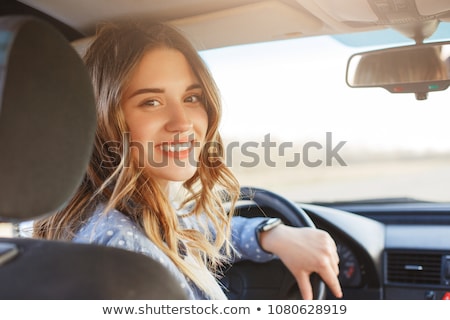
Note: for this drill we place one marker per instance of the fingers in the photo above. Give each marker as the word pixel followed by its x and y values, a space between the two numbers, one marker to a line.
pixel 334 256
pixel 329 277
pixel 331 280
pixel 326 265
pixel 329 269
pixel 304 285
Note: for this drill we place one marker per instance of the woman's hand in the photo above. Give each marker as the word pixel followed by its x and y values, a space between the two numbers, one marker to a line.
pixel 305 251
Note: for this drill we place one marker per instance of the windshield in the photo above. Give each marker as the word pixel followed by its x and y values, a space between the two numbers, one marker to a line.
pixel 291 124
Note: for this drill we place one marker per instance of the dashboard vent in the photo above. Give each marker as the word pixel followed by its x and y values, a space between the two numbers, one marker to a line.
pixel 417 268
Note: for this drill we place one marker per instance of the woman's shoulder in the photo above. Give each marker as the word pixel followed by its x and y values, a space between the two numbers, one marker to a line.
pixel 112 228
pixel 115 229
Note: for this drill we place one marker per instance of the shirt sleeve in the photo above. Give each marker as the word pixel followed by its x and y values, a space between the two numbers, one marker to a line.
pixel 245 241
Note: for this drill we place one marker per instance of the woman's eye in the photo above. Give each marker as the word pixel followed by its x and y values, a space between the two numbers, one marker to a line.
pixel 194 99
pixel 151 103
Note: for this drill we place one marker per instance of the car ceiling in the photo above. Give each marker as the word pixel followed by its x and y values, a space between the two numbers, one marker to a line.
pixel 220 23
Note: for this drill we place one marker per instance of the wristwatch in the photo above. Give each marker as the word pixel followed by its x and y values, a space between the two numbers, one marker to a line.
pixel 267 225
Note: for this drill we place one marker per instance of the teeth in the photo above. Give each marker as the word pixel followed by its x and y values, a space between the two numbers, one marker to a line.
pixel 176 147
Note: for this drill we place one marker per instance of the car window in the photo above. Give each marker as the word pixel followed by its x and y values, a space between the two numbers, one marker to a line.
pixel 291 124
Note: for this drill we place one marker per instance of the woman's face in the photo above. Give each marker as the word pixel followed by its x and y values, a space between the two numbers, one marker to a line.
pixel 164 110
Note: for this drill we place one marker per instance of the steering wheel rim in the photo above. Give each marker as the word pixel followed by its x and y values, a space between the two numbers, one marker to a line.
pixel 236 278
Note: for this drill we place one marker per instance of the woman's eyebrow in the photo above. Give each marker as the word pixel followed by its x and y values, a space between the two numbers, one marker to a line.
pixel 146 90
pixel 194 86
pixel 157 90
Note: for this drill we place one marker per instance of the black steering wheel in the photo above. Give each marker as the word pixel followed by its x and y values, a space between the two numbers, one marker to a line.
pixel 271 280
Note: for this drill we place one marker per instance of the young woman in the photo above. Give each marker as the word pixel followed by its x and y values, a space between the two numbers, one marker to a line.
pixel 157 182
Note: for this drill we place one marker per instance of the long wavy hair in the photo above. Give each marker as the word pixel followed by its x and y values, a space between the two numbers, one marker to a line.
pixel 115 179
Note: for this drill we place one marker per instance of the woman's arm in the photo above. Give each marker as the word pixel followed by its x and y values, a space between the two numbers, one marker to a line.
pixel 245 240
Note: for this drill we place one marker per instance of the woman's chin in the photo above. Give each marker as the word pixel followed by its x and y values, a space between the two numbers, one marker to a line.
pixel 175 174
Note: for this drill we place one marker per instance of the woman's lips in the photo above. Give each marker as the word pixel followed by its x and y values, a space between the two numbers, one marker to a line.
pixel 177 149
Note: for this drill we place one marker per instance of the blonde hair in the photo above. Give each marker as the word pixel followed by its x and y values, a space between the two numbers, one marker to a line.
pixel 114 177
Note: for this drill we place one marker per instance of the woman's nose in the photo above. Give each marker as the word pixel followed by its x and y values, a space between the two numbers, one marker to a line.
pixel 178 119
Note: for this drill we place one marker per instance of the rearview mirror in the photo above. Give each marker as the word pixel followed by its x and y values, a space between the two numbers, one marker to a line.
pixel 415 69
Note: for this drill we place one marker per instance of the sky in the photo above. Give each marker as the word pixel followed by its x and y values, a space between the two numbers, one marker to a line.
pixel 296 90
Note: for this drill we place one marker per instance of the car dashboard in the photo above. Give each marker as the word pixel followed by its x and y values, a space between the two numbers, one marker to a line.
pixel 389 251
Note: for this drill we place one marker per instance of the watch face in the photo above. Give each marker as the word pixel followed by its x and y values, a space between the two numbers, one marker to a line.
pixel 271 223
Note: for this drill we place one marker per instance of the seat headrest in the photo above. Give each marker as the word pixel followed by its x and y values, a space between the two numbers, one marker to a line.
pixel 47 119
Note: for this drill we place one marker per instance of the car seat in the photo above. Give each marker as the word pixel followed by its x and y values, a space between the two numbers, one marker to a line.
pixel 47 128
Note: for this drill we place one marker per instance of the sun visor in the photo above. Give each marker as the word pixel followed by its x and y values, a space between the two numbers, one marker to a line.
pixel 259 22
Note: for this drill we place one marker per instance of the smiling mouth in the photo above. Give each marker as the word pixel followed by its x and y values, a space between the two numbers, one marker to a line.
pixel 178 150
pixel 176 147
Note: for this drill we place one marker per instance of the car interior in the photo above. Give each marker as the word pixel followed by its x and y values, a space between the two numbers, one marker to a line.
pixel 392 246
